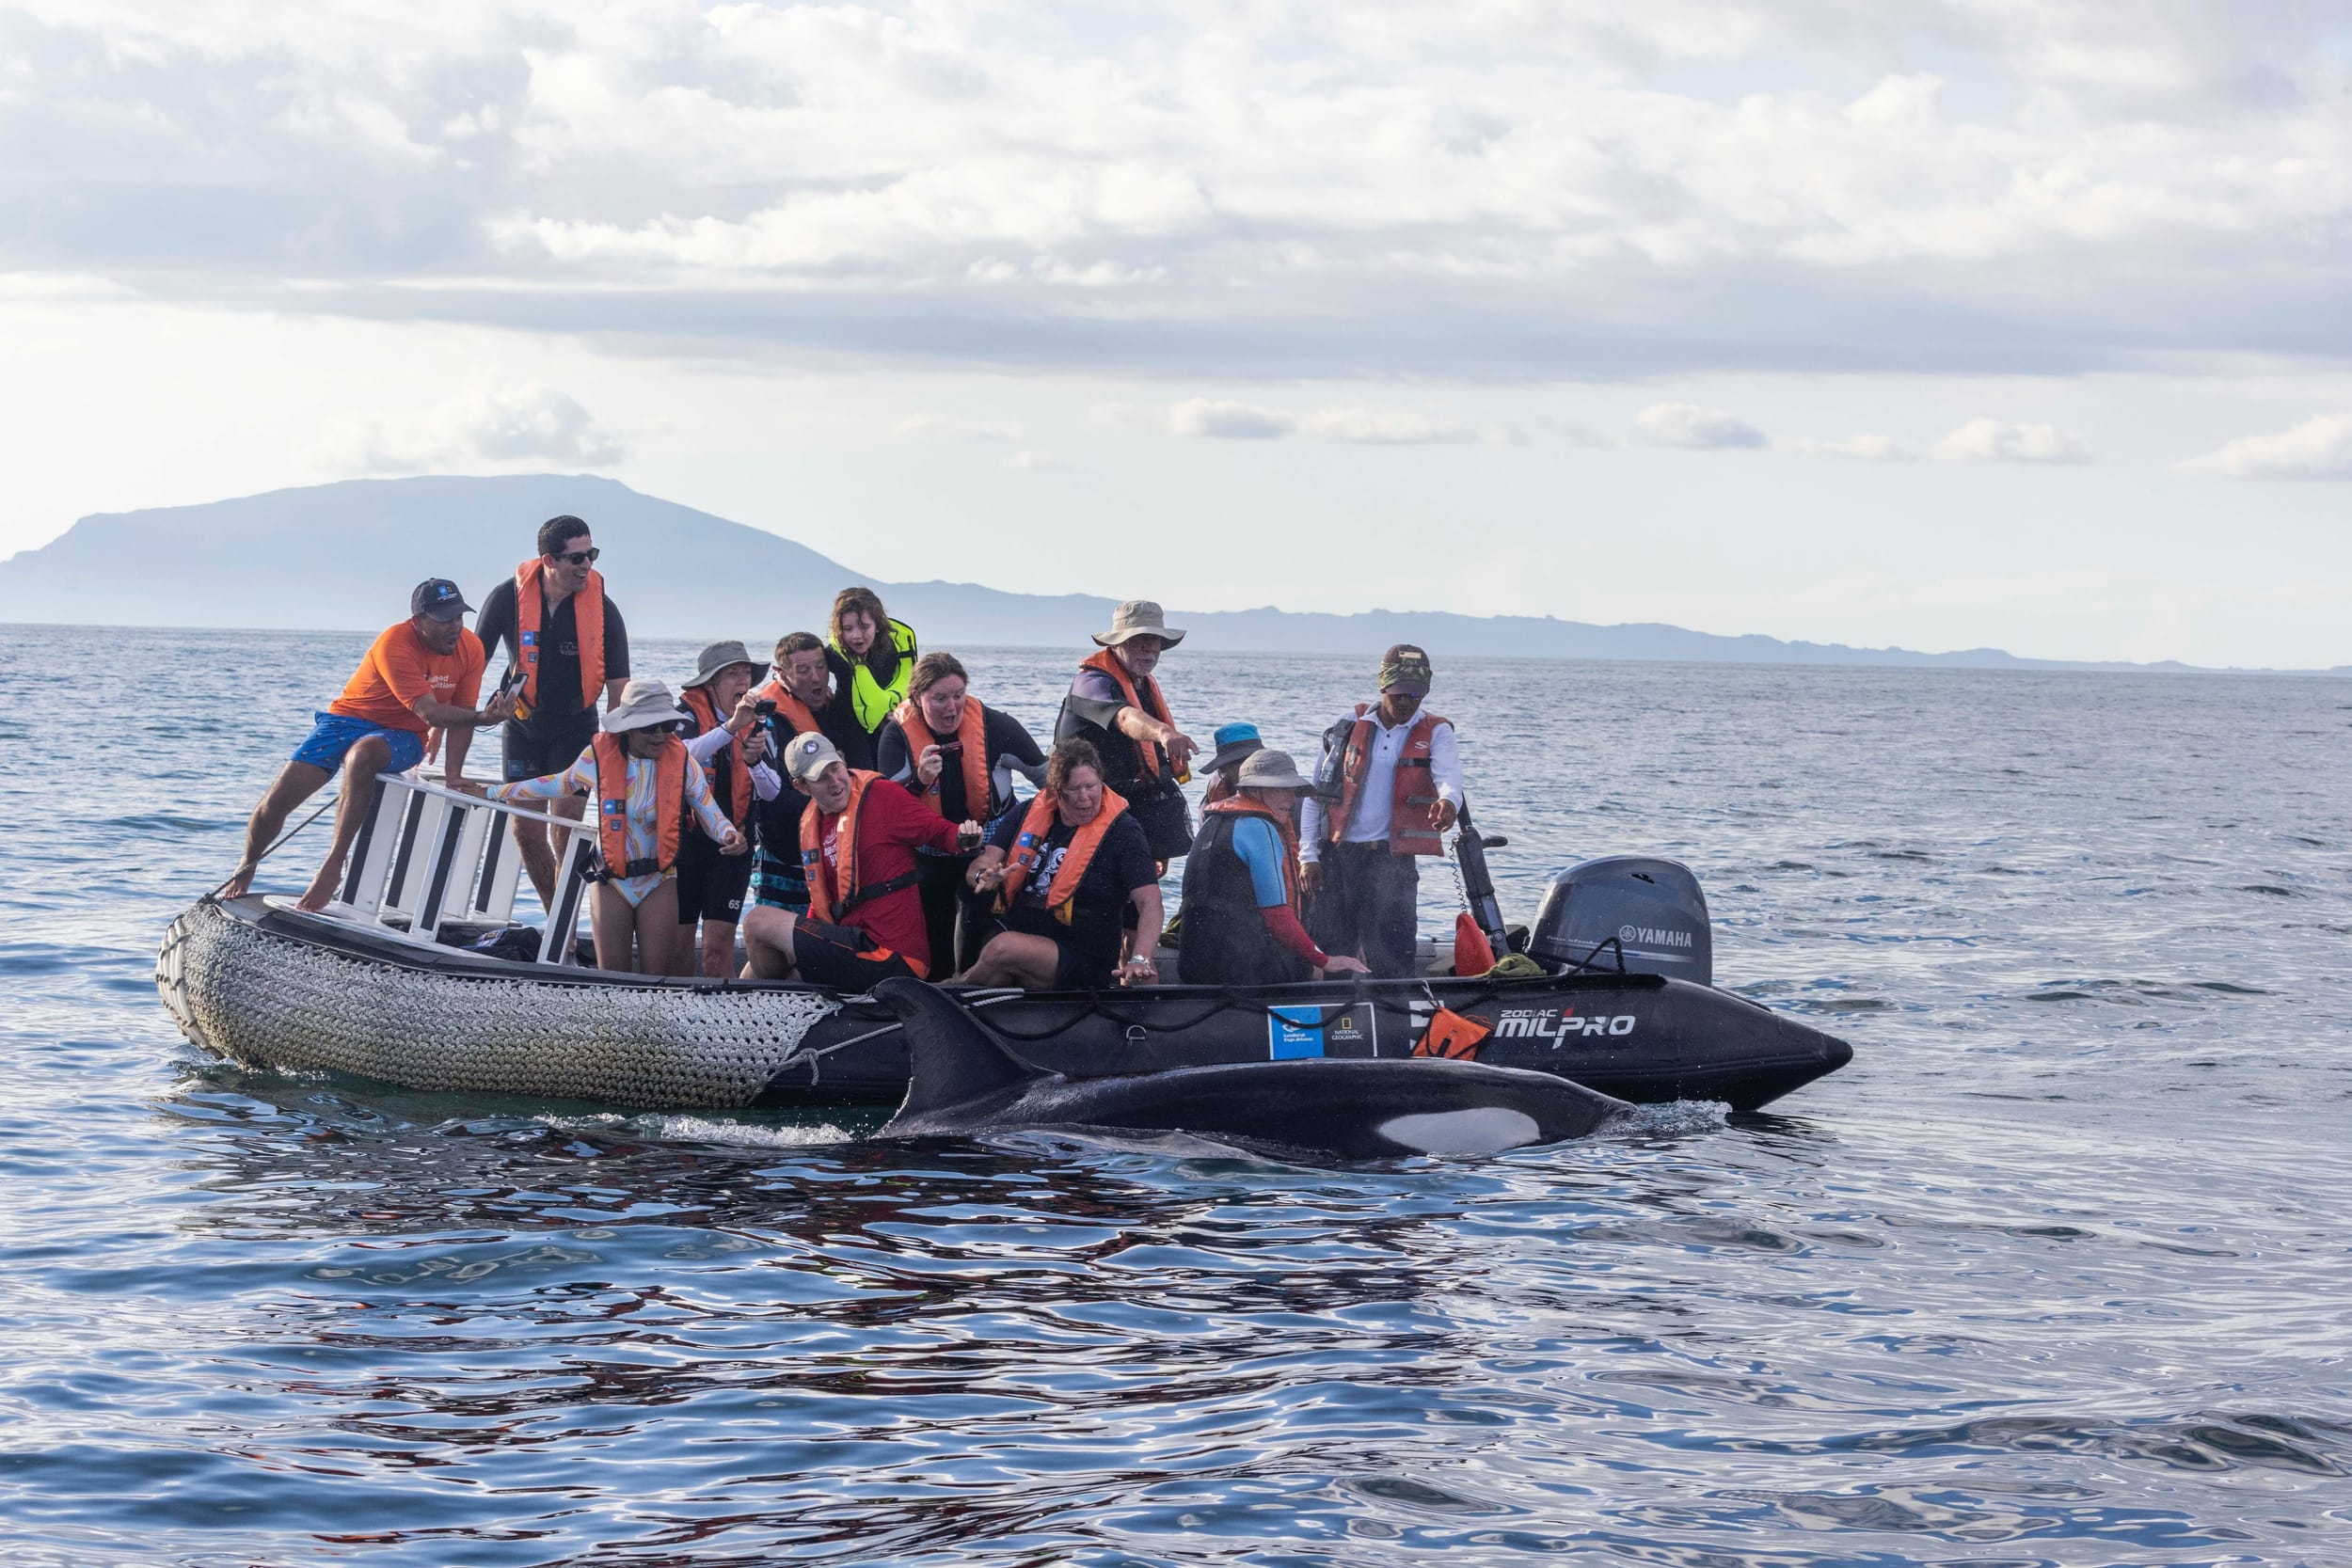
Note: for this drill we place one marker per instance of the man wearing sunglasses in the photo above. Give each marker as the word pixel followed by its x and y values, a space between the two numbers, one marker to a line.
pixel 567 652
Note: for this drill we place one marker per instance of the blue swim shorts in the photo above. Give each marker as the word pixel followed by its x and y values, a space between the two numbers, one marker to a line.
pixel 337 733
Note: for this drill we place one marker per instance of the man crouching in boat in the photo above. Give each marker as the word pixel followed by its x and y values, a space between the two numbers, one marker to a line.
pixel 1241 886
pixel 422 675
pixel 858 838
pixel 1064 873
pixel 646 785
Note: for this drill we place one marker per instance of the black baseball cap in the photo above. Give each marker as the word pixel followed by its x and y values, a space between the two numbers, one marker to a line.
pixel 439 598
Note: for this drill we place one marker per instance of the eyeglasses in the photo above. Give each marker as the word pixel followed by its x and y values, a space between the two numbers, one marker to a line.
pixel 579 557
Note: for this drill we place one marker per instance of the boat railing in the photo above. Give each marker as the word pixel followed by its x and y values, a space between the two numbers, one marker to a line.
pixel 428 855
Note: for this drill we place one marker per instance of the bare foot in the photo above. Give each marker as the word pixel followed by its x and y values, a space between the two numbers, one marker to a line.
pixel 322 889
pixel 235 887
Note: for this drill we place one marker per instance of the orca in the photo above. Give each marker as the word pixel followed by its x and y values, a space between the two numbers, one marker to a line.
pixel 967 1082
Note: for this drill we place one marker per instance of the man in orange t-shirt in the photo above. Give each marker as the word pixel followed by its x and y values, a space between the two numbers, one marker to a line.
pixel 421 675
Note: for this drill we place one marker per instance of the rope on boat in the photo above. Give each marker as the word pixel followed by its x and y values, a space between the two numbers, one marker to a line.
pixel 265 854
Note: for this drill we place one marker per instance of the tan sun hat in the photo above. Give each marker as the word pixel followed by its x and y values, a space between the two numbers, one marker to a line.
pixel 1138 618
pixel 720 656
pixel 645 701
pixel 1271 769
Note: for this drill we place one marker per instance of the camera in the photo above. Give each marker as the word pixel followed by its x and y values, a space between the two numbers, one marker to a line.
pixel 764 706
pixel 952 748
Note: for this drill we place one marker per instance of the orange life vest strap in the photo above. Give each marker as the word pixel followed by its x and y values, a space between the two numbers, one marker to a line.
pixel 788 707
pixel 971 735
pixel 1129 694
pixel 1243 806
pixel 587 623
pixel 820 904
pixel 1028 849
pixel 706 714
pixel 612 760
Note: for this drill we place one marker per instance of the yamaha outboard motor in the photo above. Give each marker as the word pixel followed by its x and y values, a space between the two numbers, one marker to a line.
pixel 1647 914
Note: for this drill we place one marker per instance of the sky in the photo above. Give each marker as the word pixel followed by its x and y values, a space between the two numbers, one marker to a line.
pixel 1940 323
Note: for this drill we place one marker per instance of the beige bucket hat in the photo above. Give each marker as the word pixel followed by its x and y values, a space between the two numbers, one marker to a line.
pixel 1271 769
pixel 1138 618
pixel 645 701
pixel 718 657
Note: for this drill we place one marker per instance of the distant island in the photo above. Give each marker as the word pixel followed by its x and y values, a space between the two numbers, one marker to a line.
pixel 340 556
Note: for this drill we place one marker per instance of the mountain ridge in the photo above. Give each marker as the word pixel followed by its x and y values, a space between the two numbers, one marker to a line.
pixel 690 572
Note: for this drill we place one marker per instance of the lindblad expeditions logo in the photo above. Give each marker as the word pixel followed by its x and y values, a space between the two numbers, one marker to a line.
pixel 1657 936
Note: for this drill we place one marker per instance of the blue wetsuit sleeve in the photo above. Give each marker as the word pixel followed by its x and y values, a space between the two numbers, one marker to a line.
pixel 1260 850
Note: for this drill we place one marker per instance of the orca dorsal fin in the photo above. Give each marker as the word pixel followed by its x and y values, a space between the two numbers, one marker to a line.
pixel 954 1057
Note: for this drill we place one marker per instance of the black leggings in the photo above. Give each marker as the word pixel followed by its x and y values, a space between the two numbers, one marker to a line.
pixel 954 942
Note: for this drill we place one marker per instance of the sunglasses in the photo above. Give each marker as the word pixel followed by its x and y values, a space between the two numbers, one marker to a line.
pixel 579 557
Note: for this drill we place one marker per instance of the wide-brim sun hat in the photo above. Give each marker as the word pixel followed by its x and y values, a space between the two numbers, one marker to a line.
pixel 721 655
pixel 1234 742
pixel 1138 618
pixel 1271 769
pixel 644 703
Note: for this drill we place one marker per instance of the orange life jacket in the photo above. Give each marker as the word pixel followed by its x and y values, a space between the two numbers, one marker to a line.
pixel 971 734
pixel 822 904
pixel 1244 806
pixel 1218 790
pixel 789 709
pixel 739 776
pixel 1029 848
pixel 587 622
pixel 1412 789
pixel 669 807
pixel 1147 751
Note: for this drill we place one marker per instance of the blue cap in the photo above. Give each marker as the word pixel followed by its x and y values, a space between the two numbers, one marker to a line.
pixel 439 598
pixel 1234 742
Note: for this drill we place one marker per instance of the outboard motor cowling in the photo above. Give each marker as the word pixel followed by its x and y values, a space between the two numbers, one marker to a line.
pixel 1651 909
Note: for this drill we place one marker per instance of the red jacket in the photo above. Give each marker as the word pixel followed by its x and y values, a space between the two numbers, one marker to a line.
pixel 892 825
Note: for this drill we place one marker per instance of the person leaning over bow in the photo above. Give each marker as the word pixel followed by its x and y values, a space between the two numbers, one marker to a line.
pixel 418 675
pixel 1115 705
pixel 1401 786
pixel 957 758
pixel 1234 742
pixel 650 795
pixel 1241 887
pixel 801 700
pixel 1065 872
pixel 723 733
pixel 871 654
pixel 858 839
pixel 571 646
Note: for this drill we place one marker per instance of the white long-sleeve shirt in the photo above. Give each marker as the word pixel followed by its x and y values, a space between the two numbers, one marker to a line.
pixel 1375 803
pixel 705 746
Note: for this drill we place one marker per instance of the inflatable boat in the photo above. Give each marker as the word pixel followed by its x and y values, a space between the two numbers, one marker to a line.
pixel 418 975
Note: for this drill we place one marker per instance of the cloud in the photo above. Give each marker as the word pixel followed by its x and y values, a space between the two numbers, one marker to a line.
pixel 1029 460
pixel 1860 448
pixel 1385 427
pixel 2319 448
pixel 1229 421
pixel 1492 190
pixel 1576 433
pixel 1222 420
pixel 1688 425
pixel 2003 441
pixel 918 425
pixel 526 426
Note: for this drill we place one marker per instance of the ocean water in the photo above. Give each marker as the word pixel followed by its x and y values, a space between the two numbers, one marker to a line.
pixel 2056 1272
